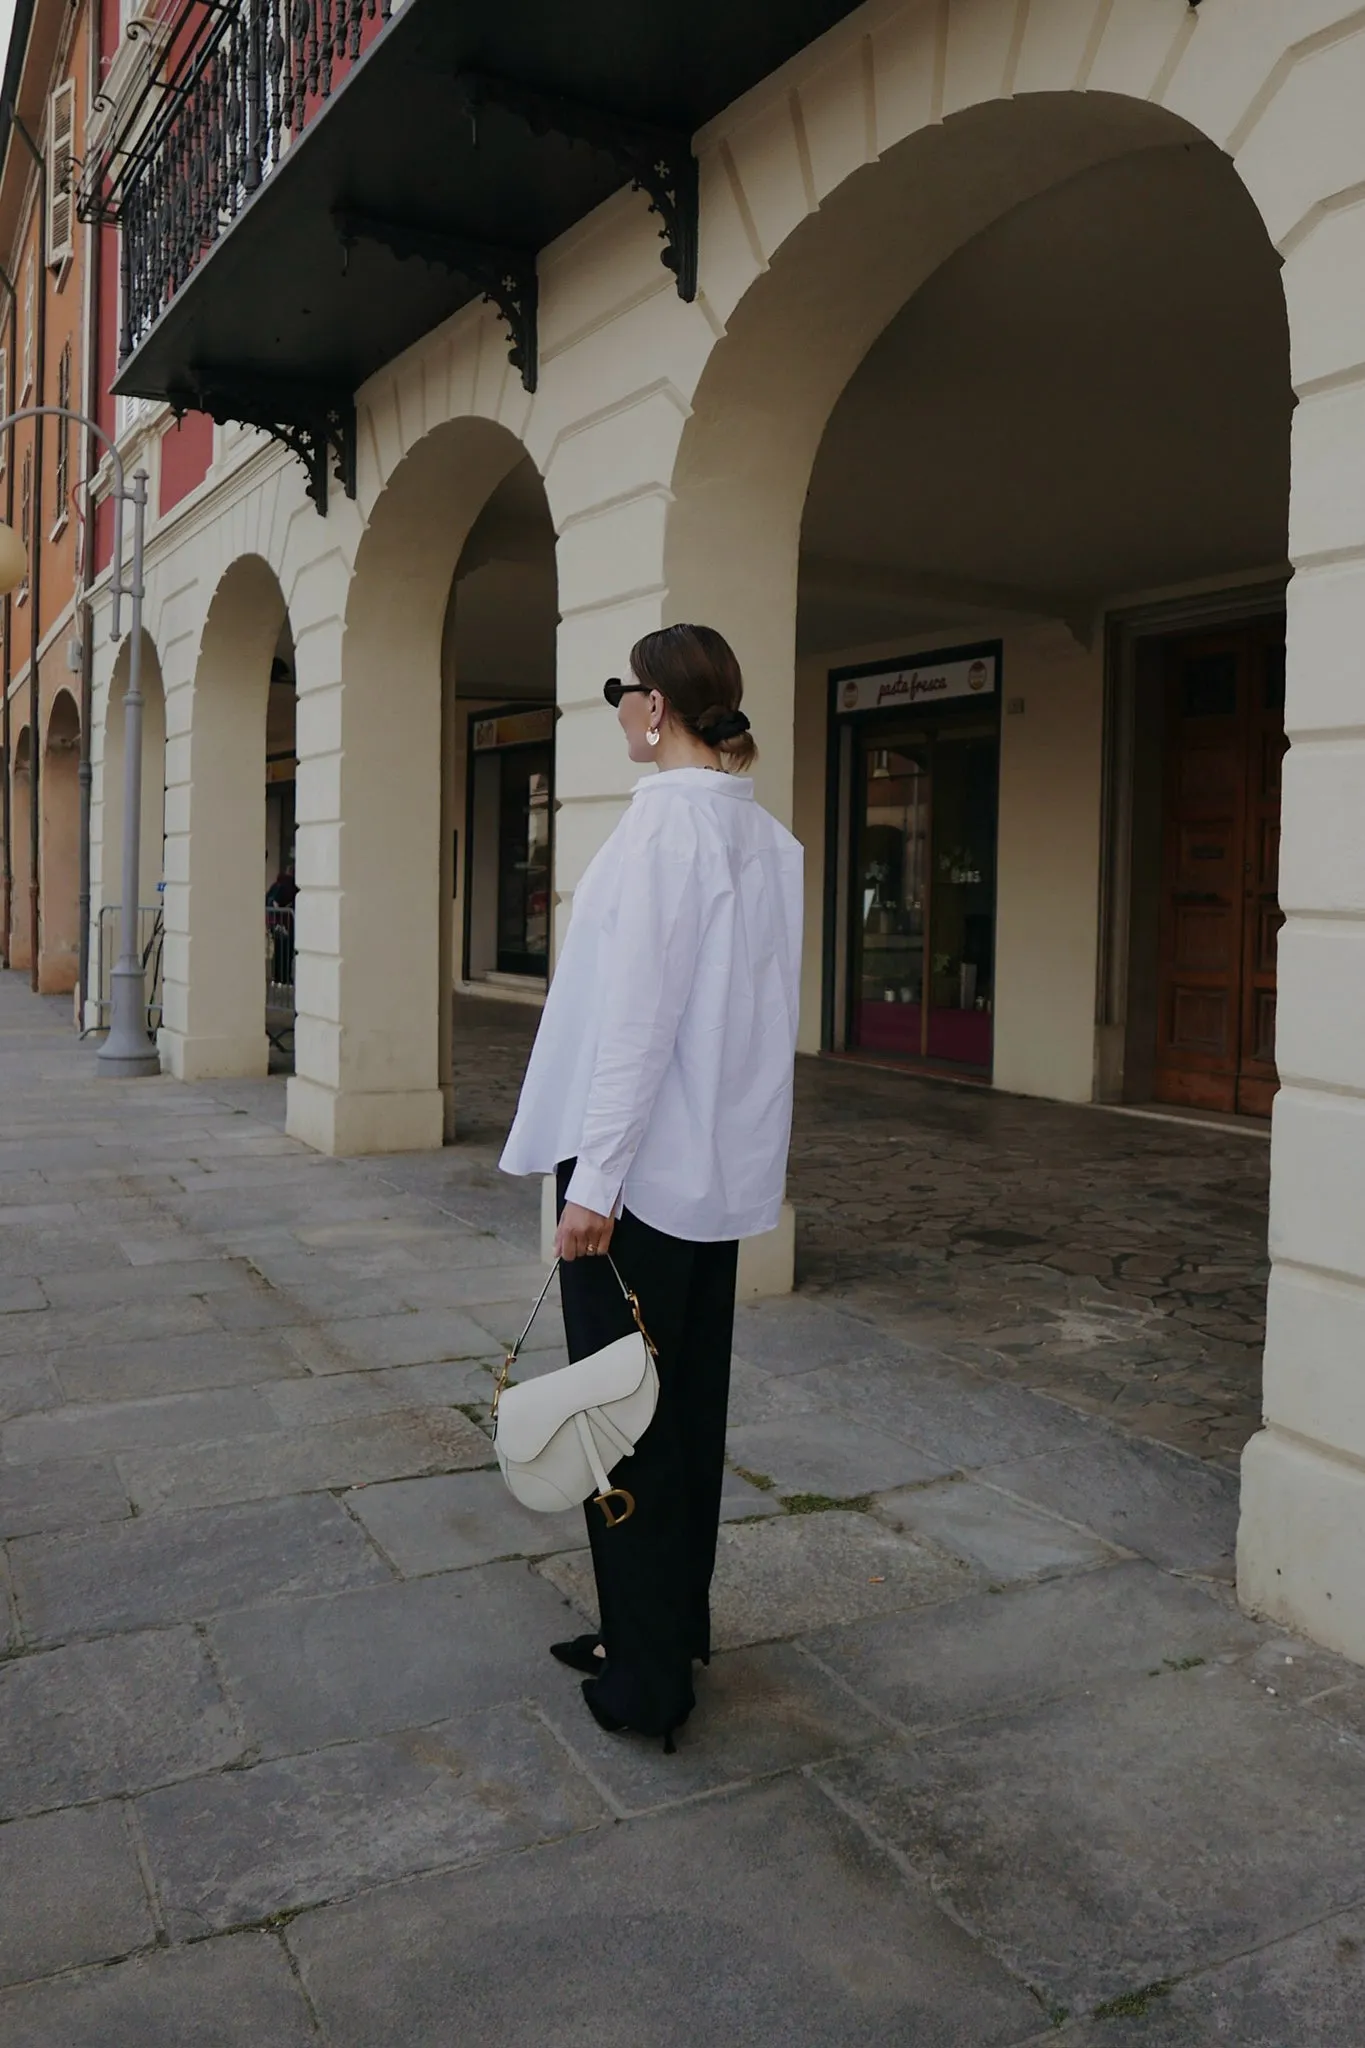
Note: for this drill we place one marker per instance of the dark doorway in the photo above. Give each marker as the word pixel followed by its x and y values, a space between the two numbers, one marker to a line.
pixel 1219 910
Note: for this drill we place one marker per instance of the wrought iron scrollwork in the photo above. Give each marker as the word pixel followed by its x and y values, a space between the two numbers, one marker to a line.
pixel 505 277
pixel 658 161
pixel 316 426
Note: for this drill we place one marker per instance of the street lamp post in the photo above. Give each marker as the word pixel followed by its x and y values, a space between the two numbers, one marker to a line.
pixel 127 1052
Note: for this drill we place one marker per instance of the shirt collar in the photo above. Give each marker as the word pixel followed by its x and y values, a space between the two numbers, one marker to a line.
pixel 714 780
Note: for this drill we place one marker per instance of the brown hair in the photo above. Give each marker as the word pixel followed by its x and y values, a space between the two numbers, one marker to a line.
pixel 694 669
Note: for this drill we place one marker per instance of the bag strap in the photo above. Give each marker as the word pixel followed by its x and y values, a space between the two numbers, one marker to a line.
pixel 510 1358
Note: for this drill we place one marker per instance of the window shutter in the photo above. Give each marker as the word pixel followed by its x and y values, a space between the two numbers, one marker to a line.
pixel 61 198
pixel 30 317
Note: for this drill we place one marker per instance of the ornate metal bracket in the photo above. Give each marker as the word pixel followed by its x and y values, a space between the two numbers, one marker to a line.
pixel 657 161
pixel 318 427
pixel 505 277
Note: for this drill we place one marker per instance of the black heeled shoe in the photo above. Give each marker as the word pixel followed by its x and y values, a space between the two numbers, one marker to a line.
pixel 581 1653
pixel 609 1724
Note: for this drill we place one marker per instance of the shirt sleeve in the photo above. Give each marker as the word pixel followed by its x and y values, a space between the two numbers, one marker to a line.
pixel 654 949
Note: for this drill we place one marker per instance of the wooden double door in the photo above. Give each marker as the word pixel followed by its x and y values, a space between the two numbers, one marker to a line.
pixel 1220 916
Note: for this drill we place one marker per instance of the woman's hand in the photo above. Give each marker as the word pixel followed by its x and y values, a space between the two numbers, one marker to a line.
pixel 582 1233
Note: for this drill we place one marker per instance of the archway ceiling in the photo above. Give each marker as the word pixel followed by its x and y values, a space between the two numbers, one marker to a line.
pixel 506 613
pixel 507 595
pixel 1088 400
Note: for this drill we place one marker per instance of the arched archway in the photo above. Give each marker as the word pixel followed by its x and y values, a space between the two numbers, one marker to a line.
pixel 895 449
pixel 215 960
pixel 1275 90
pixel 21 869
pixel 59 895
pixel 1071 445
pixel 833 284
pixel 372 1060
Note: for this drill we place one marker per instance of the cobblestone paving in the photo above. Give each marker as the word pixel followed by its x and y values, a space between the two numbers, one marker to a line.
pixel 986 1757
pixel 1114 1262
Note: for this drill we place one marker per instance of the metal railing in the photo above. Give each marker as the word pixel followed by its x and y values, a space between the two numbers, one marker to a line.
pixel 240 82
pixel 151 937
pixel 279 975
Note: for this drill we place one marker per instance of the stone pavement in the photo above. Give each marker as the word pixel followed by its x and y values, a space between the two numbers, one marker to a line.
pixel 986 1755
pixel 1114 1262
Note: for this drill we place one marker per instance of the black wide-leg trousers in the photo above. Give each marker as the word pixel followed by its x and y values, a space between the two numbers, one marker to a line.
pixel 654 1569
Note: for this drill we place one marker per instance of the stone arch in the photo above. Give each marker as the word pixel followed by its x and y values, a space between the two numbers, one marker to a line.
pixel 830 287
pixel 805 164
pixel 214 1017
pixel 59 843
pixel 371 1062
pixel 21 798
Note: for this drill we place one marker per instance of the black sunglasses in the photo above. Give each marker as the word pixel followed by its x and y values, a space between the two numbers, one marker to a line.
pixel 614 690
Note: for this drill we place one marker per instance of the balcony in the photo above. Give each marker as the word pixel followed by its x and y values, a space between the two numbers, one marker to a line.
pixel 305 187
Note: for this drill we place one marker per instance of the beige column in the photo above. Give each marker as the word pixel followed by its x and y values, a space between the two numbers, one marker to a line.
pixel 106 800
pixel 368 1070
pixel 1301 1551
pixel 1302 1538
pixel 214 1023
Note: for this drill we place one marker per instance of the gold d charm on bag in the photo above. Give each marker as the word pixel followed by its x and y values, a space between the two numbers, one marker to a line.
pixel 502 1382
pixel 615 1493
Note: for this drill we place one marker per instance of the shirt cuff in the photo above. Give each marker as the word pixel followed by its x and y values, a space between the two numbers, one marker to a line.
pixel 593 1190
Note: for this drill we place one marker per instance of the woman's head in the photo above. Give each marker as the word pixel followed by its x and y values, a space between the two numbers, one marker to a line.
pixel 692 688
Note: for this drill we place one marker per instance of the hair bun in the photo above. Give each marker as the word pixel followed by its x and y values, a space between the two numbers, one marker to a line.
pixel 729 725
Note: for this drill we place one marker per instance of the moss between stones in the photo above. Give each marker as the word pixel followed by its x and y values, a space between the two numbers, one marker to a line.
pixel 823 1503
pixel 1132 2004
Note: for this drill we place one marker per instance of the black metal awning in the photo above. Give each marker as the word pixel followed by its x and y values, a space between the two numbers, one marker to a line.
pixel 287 232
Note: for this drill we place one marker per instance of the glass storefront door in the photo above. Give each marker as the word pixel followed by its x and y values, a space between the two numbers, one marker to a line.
pixel 524 861
pixel 891 866
pixel 922 922
pixel 506 877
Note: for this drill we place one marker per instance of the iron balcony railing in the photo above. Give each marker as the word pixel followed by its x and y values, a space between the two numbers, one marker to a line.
pixel 229 91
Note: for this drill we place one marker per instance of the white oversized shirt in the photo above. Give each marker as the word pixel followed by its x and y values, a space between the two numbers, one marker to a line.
pixel 663 1063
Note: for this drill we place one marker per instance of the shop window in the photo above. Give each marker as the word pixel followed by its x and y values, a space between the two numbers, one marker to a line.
pixel 509 840
pixel 914 912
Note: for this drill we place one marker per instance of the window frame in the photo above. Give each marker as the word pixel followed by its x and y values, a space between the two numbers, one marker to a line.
pixel 61 158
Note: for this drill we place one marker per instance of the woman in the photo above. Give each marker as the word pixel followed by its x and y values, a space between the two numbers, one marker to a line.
pixel 659 1093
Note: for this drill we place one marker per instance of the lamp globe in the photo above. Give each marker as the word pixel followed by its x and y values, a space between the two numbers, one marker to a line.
pixel 13 560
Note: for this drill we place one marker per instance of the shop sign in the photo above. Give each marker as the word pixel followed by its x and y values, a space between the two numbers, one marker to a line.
pixel 517 729
pixel 887 689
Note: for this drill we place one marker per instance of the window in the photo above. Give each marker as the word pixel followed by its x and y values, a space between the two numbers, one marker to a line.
pixel 25 516
pixel 30 330
pixel 127 413
pixel 63 439
pixel 61 199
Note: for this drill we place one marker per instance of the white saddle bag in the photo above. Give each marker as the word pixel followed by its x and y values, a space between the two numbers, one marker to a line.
pixel 558 1437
